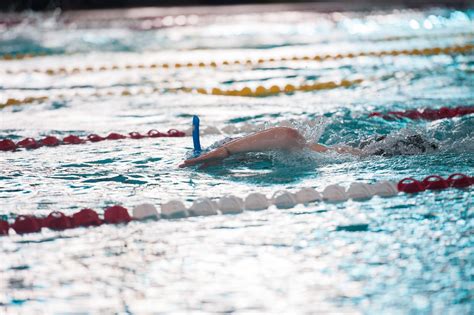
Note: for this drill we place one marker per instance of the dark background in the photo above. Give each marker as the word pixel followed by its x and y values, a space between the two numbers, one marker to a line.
pixel 20 5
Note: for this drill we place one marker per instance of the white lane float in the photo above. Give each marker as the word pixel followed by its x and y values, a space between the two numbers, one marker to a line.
pixel 256 202
pixel 145 211
pixel 283 199
pixel 203 207
pixel 360 191
pixel 385 189
pixel 211 130
pixel 335 193
pixel 173 209
pixel 230 204
pixel 307 195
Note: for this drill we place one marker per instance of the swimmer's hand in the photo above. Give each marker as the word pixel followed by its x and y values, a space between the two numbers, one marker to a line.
pixel 207 159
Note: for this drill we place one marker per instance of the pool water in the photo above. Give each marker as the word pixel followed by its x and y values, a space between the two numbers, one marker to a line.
pixel 414 256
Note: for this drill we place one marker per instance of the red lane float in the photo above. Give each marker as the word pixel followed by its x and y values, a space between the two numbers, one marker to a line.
pixel 434 182
pixel 95 138
pixel 86 217
pixel 459 180
pixel 4 226
pixel 155 133
pixel 410 185
pixel 116 214
pixel 115 136
pixel 7 145
pixel 51 141
pixel 136 135
pixel 58 221
pixel 175 133
pixel 26 224
pixel 119 215
pixel 73 140
pixel 427 113
pixel 28 143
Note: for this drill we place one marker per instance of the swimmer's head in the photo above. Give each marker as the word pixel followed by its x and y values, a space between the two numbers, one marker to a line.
pixel 390 146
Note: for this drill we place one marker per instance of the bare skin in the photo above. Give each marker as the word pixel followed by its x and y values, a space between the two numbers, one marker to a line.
pixel 278 138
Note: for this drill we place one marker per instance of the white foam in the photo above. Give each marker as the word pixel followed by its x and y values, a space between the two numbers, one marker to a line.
pixel 256 201
pixel 286 123
pixel 335 193
pixel 203 207
pixel 260 126
pixel 145 211
pixel 230 129
pixel 311 130
pixel 248 128
pixel 307 195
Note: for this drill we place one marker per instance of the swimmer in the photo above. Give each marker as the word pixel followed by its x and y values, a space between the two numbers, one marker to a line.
pixel 289 139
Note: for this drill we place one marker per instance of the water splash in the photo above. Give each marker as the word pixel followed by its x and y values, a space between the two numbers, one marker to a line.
pixel 311 130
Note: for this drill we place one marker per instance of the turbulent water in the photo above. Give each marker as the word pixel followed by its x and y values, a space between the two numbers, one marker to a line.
pixel 412 255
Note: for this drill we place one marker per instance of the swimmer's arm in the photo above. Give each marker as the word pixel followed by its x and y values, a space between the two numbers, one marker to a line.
pixel 278 138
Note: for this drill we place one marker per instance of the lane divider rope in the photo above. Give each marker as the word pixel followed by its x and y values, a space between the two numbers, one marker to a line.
pixel 427 113
pixel 36 54
pixel 23 101
pixel 246 91
pixel 456 49
pixel 245 128
pixel 261 91
pixel 230 204
pixel 7 144
pixel 27 55
pixel 51 141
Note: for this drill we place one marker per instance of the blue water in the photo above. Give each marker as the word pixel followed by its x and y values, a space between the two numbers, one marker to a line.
pixel 414 256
